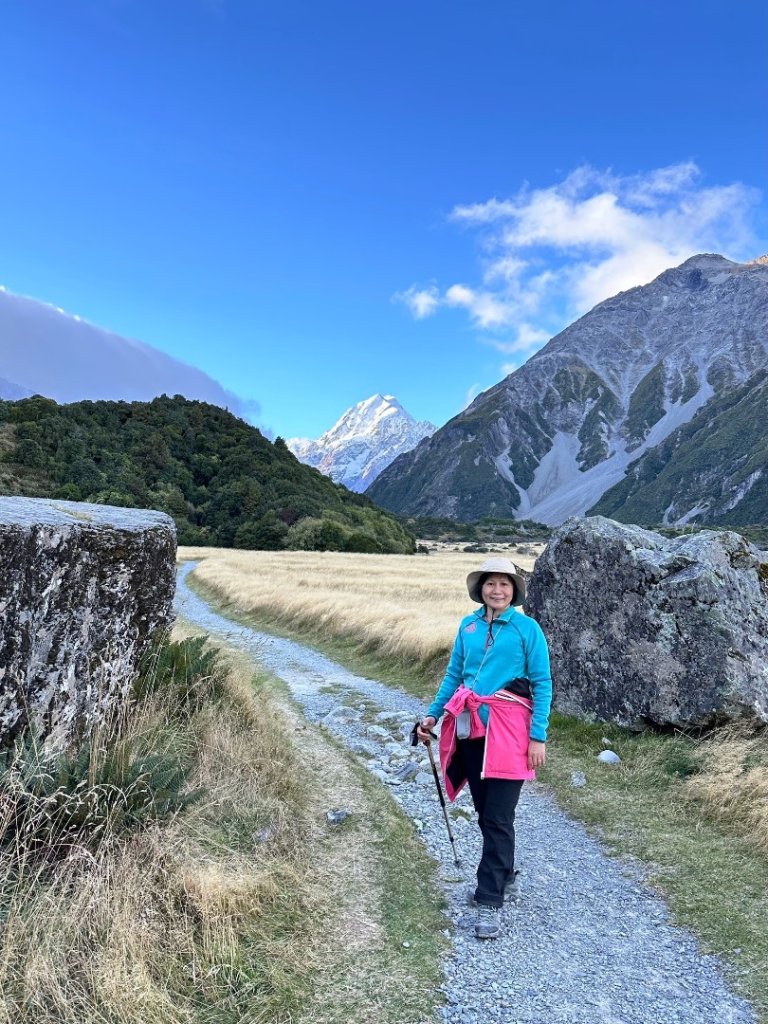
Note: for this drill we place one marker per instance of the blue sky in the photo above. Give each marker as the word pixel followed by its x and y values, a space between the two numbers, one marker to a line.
pixel 315 201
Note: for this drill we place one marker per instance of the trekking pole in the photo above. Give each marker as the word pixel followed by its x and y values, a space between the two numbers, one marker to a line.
pixel 438 786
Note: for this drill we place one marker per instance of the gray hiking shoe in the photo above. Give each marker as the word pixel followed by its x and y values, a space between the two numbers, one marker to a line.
pixel 487 923
pixel 511 891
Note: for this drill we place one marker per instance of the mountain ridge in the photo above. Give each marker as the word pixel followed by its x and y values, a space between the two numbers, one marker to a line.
pixel 550 439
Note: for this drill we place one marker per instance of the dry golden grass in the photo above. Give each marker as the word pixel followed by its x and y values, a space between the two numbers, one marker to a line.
pixel 247 908
pixel 187 919
pixel 732 785
pixel 402 607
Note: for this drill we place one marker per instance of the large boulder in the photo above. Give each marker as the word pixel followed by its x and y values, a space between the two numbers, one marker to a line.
pixel 83 588
pixel 643 629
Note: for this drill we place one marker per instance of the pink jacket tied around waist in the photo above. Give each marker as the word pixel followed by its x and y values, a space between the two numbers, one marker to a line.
pixel 506 737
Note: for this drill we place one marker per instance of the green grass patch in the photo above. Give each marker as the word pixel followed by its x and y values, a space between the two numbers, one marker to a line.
pixel 402 974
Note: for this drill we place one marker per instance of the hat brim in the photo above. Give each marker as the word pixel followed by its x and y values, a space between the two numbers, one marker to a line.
pixel 473 585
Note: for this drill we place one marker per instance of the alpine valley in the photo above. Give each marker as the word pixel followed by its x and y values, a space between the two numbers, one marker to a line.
pixel 363 442
pixel 651 409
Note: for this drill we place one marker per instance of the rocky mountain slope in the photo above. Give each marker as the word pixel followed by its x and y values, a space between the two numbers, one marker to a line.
pixel 45 351
pixel 552 438
pixel 719 460
pixel 363 442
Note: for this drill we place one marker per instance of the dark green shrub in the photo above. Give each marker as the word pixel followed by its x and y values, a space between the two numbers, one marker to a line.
pixel 69 492
pixel 363 543
pixel 51 802
pixel 188 673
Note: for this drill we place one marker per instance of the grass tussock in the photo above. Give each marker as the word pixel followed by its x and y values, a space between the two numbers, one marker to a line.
pixel 200 914
pixel 731 784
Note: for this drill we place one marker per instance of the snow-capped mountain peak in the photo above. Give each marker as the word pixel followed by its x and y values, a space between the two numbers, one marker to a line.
pixel 363 441
pixel 365 419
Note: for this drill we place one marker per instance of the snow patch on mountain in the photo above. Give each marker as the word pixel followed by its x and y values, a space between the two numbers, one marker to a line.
pixel 363 442
pixel 560 489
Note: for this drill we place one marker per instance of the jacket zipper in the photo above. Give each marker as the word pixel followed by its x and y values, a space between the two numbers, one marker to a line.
pixel 488 726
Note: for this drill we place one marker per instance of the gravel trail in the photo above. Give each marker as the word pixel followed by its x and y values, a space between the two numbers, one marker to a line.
pixel 588 943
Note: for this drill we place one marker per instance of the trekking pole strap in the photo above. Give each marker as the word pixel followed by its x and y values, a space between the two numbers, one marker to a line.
pixel 415 734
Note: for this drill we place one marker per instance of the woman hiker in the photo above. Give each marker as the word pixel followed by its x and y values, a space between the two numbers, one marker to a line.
pixel 496 695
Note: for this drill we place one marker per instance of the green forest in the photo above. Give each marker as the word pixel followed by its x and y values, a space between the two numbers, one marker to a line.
pixel 220 479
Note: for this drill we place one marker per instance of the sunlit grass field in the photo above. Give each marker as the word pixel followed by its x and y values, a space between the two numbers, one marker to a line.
pixel 405 608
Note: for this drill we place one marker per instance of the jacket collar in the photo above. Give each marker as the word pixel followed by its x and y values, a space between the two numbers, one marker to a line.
pixel 504 617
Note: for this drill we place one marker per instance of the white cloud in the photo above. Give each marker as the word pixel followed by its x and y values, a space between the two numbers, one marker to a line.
pixel 526 337
pixel 472 392
pixel 549 254
pixel 485 308
pixel 422 302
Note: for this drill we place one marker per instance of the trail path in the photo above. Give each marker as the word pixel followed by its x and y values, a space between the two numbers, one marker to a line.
pixel 588 944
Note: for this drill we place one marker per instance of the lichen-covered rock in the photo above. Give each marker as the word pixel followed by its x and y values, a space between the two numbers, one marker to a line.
pixel 643 629
pixel 82 590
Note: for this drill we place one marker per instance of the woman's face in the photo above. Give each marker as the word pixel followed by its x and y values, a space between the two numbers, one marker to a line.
pixel 498 592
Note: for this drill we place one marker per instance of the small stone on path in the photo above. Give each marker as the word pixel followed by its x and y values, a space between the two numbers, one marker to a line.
pixel 336 816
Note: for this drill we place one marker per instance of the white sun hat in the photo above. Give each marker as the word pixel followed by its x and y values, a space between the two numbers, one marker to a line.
pixel 474 580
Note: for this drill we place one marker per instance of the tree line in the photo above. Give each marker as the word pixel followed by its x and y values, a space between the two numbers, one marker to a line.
pixel 221 480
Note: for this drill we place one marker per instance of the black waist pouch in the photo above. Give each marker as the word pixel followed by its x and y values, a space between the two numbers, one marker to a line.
pixel 521 687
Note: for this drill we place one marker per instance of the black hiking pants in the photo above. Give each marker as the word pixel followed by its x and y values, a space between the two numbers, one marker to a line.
pixel 495 801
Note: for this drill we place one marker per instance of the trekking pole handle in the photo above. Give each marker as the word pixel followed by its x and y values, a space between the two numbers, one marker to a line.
pixel 415 740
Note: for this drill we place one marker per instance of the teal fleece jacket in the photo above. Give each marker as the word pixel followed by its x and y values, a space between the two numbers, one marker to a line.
pixel 519 648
